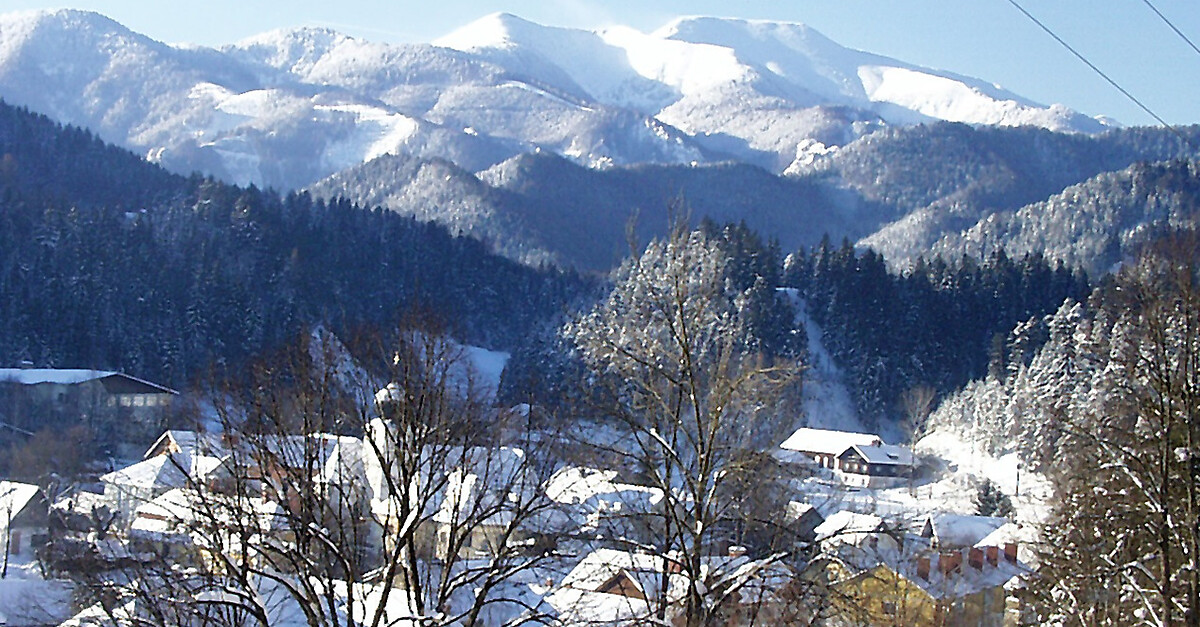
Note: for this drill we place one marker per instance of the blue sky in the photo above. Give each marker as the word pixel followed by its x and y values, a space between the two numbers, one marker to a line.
pixel 988 39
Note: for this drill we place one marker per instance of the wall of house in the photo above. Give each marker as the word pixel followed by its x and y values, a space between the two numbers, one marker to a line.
pixel 880 597
pixel 484 541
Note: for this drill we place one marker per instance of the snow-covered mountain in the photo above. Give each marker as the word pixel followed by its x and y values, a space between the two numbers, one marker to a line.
pixel 288 107
pixel 779 90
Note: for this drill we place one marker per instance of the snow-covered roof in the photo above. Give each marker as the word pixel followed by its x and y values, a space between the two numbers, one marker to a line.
pixel 164 471
pixel 578 485
pixel 487 477
pixel 186 441
pixel 62 376
pixel 68 376
pixel 796 510
pixel 848 524
pixel 335 458
pixel 884 454
pixel 960 530
pixel 14 498
pixel 826 441
pixel 173 511
pixel 579 601
pixel 963 579
pixel 1010 532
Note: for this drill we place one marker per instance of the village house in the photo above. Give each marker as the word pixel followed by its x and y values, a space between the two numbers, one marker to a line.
pixel 615 587
pixel 611 586
pixel 825 446
pixel 879 575
pixel 597 505
pixel 24 519
pixel 477 513
pixel 878 466
pixel 858 459
pixel 191 525
pixel 86 395
pixel 128 488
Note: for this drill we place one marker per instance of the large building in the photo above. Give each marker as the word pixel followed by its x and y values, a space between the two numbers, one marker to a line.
pixel 112 402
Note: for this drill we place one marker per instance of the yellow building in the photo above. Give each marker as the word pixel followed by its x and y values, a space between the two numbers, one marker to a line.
pixel 898 588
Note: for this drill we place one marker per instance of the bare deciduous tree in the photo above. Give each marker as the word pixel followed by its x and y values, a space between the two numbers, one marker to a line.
pixel 338 505
pixel 689 398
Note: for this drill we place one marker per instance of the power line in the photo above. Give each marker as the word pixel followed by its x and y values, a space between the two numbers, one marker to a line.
pixel 1096 69
pixel 1169 23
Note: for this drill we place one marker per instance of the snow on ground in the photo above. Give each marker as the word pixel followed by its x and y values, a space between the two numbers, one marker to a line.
pixel 27 599
pixel 488 366
pixel 950 485
pixel 1030 491
pixel 827 403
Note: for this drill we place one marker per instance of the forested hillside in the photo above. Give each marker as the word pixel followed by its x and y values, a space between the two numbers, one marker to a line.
pixel 109 262
pixel 939 179
pixel 1093 225
pixel 897 191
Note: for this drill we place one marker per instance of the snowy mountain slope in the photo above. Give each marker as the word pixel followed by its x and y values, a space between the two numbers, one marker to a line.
pixel 545 208
pixel 769 85
pixel 1093 225
pixel 938 181
pixel 898 191
pixel 289 107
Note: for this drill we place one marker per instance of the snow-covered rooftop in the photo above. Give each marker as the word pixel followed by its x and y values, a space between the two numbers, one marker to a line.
pixel 889 454
pixel 14 497
pixel 827 441
pixel 61 376
pixel 959 530
pixel 164 471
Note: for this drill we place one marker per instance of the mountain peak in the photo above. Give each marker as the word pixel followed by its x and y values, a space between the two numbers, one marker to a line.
pixel 304 35
pixel 23 24
pixel 291 49
pixel 497 30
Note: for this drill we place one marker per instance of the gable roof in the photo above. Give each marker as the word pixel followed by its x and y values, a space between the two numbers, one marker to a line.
pixel 849 525
pixel 163 471
pixel 190 442
pixel 14 498
pixel 960 530
pixel 114 382
pixel 884 454
pixel 827 441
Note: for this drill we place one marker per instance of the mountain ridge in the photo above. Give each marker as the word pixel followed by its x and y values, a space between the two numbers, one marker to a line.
pixel 699 90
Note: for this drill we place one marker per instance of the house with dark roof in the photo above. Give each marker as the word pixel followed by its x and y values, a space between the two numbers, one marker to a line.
pixel 109 402
pixel 876 466
pixel 859 459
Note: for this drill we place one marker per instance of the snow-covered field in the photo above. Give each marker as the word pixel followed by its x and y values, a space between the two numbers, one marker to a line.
pixel 28 599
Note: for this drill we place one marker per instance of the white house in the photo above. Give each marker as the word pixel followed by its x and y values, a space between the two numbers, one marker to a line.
pixel 824 446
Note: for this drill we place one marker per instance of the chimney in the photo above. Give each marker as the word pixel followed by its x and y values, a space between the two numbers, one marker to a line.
pixel 949 563
pixel 26 364
pixel 975 558
pixel 923 567
pixel 1010 552
pixel 993 554
pixel 737 551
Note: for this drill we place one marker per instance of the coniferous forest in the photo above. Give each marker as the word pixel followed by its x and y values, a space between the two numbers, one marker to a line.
pixel 109 262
